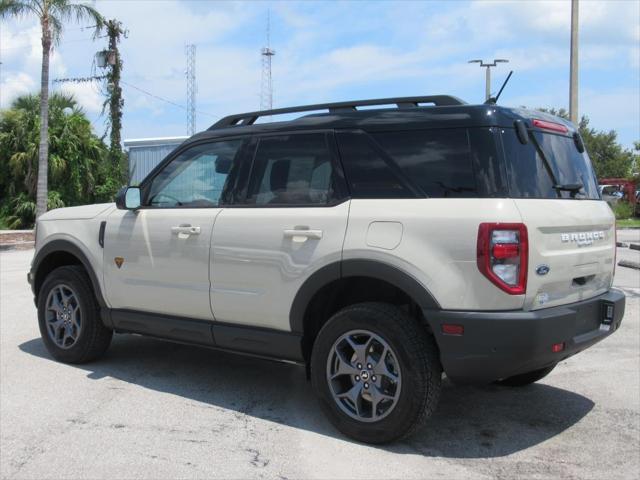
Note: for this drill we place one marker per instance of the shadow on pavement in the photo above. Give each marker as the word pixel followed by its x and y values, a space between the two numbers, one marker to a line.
pixel 471 422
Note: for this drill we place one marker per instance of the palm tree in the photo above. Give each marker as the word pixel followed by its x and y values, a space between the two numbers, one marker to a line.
pixel 51 14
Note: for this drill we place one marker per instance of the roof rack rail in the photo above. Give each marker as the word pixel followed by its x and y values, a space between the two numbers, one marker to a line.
pixel 249 118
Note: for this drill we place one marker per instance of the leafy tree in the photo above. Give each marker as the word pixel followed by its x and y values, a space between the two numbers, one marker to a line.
pixel 79 167
pixel 610 159
pixel 51 14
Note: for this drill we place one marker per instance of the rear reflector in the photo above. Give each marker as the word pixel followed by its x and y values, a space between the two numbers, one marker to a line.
pixel 557 347
pixel 554 127
pixel 452 329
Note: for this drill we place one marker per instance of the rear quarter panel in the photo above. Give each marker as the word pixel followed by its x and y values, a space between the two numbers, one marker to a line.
pixel 437 245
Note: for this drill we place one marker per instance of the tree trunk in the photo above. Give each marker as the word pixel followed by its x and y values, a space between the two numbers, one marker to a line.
pixel 43 153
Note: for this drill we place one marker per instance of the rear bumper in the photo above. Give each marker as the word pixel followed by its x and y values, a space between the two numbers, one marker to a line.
pixel 497 345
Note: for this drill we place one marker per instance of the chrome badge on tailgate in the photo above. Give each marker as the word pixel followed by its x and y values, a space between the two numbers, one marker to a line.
pixel 582 239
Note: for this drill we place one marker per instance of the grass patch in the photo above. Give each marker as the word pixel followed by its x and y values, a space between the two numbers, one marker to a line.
pixel 628 222
pixel 3 223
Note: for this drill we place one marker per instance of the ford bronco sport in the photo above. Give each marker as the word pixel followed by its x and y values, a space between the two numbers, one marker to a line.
pixel 380 247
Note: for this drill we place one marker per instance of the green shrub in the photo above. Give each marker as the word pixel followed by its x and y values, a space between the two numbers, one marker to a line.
pixel 623 210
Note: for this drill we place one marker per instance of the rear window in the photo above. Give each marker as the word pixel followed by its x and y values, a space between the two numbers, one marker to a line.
pixel 435 163
pixel 530 177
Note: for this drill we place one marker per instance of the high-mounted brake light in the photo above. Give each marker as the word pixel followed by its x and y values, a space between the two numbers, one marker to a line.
pixel 554 127
pixel 502 255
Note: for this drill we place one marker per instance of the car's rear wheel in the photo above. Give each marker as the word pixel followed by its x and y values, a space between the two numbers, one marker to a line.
pixel 528 378
pixel 376 372
pixel 69 318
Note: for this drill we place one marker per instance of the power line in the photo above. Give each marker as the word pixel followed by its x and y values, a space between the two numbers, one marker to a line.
pixel 157 97
pixel 35 44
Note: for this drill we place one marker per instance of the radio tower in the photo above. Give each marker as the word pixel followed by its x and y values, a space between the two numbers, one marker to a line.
pixel 192 88
pixel 266 91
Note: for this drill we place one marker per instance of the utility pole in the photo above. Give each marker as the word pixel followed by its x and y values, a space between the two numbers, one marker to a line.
pixel 115 100
pixel 192 88
pixel 573 76
pixel 488 66
pixel 267 53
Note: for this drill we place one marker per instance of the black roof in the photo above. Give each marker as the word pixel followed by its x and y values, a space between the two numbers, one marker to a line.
pixel 407 112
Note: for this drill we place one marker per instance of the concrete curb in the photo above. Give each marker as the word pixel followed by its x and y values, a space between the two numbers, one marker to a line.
pixel 16 246
pixel 629 264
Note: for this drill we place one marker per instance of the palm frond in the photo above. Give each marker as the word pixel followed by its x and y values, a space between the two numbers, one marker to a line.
pixel 66 11
pixel 18 8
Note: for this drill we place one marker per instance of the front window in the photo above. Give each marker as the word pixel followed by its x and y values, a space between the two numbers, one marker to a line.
pixel 195 178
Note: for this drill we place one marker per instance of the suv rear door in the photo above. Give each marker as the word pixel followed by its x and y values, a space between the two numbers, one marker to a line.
pixel 287 220
pixel 571 232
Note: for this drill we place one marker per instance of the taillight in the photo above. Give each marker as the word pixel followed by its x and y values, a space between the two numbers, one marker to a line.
pixel 503 251
pixel 554 127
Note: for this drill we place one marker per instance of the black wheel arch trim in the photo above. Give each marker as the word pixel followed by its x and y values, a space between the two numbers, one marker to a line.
pixel 72 249
pixel 357 268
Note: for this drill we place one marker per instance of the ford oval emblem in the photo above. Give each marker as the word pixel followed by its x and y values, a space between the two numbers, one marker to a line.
pixel 542 269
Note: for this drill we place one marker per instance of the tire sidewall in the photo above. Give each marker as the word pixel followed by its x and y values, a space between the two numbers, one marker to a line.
pixel 88 306
pixel 412 373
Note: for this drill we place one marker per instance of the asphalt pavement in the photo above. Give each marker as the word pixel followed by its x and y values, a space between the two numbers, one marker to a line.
pixel 152 409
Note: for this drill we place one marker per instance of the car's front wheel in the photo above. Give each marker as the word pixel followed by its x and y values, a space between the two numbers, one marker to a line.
pixel 376 372
pixel 68 316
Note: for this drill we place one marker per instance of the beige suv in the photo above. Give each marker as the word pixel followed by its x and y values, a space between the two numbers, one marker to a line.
pixel 379 247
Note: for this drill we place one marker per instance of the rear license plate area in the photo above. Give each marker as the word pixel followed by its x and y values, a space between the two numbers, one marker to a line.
pixel 607 314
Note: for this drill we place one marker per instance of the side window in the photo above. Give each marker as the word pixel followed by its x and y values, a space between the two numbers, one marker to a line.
pixel 195 178
pixel 369 173
pixel 438 161
pixel 291 170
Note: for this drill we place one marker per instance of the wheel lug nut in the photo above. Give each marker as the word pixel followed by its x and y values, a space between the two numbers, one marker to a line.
pixel 366 385
pixel 369 366
pixel 373 378
pixel 359 365
pixel 357 378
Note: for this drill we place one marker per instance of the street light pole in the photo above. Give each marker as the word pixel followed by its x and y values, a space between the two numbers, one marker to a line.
pixel 573 75
pixel 487 87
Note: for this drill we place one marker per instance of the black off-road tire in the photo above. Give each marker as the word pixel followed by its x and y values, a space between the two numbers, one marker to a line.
pixel 94 337
pixel 528 378
pixel 418 359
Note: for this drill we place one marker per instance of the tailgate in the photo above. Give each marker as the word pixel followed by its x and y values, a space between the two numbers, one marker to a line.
pixel 573 241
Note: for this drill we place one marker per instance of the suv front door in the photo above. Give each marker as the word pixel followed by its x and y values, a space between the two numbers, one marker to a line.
pixel 289 221
pixel 157 257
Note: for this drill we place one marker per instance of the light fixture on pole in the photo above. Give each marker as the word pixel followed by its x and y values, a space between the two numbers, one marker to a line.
pixel 488 74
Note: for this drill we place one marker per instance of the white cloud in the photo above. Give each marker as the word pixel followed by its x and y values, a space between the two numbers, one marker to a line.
pixel 87 95
pixel 13 85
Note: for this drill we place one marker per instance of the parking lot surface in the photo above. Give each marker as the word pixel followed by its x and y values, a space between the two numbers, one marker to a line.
pixel 151 409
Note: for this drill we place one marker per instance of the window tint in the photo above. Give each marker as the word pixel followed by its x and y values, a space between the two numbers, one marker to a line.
pixel 195 178
pixel 369 172
pixel 291 170
pixel 530 177
pixel 437 161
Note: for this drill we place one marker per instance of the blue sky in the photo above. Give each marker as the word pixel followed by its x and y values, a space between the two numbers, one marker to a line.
pixel 332 51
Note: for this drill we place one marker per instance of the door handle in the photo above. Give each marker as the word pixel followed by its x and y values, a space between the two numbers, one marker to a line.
pixel 185 230
pixel 295 233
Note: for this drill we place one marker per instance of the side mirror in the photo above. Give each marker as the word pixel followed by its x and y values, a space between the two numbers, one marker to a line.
pixel 128 198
